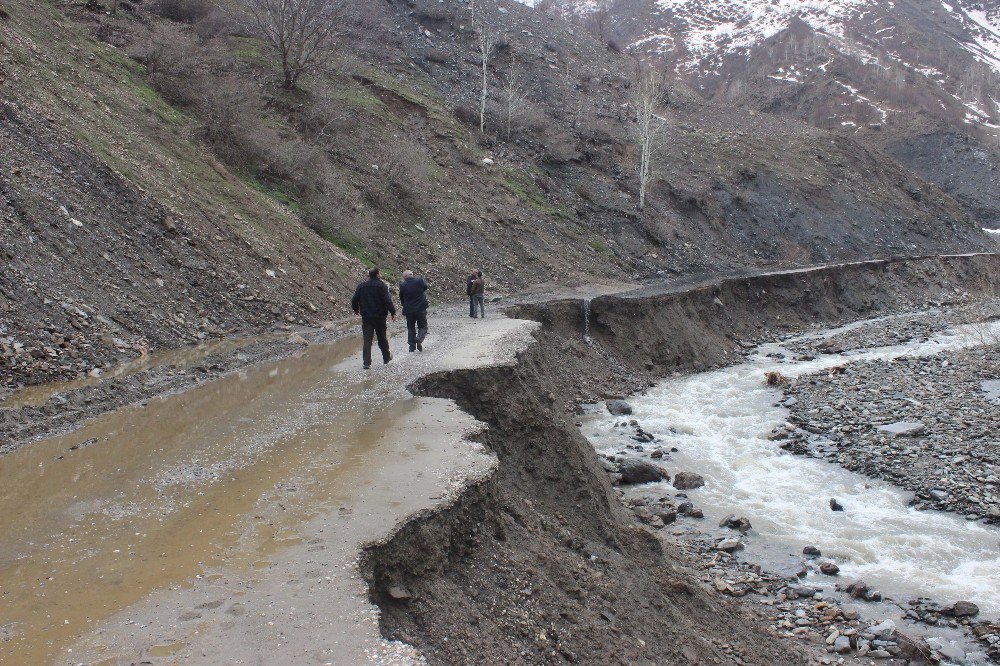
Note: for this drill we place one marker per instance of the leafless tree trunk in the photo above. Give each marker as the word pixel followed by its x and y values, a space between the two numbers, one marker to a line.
pixel 472 10
pixel 298 30
pixel 487 41
pixel 512 96
pixel 646 105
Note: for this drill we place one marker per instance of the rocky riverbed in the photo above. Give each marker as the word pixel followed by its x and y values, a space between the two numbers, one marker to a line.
pixel 804 599
pixel 928 424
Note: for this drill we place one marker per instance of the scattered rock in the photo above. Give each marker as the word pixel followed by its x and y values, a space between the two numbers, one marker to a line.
pixel 775 378
pixel 961 609
pixel 399 593
pixel 730 545
pixel 732 522
pixel 619 407
pixel 811 551
pixel 688 480
pixel 829 569
pixel 636 471
pixel 904 429
pixel 835 505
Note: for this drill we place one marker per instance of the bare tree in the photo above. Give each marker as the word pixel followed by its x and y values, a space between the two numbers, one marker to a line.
pixel 487 40
pixel 646 105
pixel 514 99
pixel 298 30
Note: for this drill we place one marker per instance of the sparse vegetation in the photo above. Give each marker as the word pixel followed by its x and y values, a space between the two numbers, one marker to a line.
pixel 299 31
pixel 647 108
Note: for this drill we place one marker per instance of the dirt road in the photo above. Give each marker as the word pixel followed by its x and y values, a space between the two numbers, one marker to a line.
pixel 222 524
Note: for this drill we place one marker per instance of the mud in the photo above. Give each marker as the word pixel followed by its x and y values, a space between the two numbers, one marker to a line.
pixel 540 563
pixel 171 529
pixel 238 515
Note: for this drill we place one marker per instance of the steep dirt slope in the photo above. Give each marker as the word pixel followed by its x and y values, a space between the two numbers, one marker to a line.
pixel 118 234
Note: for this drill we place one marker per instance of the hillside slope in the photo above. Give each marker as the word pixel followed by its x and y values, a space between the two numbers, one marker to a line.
pixel 118 233
pixel 211 200
pixel 918 78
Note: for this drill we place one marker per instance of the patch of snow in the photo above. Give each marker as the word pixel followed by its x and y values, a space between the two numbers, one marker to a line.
pixel 986 33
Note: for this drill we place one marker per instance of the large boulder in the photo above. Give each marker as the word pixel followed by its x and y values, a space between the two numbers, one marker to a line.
pixel 635 471
pixel 619 407
pixel 962 609
pixel 688 480
pixel 903 429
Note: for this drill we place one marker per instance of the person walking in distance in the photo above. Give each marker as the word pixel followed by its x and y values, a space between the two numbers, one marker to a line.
pixel 469 279
pixel 413 296
pixel 477 295
pixel 373 303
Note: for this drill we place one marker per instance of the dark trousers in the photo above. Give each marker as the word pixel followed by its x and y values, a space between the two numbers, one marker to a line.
pixel 474 300
pixel 372 327
pixel 416 328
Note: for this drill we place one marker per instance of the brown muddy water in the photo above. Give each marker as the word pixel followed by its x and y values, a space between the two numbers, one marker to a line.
pixel 183 358
pixel 150 497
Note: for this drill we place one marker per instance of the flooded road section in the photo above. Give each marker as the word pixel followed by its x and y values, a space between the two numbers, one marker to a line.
pixel 183 358
pixel 719 422
pixel 218 486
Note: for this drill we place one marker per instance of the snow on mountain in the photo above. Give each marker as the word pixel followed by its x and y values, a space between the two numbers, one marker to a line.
pixel 709 30
pixel 706 28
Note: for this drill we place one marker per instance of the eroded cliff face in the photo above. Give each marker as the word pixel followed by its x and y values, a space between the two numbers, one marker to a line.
pixel 540 562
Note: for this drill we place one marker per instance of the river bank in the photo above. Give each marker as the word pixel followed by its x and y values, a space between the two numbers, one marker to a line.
pixel 788 532
pixel 929 425
pixel 541 485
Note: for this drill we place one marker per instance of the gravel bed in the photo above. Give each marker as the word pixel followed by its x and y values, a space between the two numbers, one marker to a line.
pixel 930 425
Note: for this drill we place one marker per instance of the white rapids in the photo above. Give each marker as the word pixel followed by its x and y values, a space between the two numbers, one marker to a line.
pixel 720 422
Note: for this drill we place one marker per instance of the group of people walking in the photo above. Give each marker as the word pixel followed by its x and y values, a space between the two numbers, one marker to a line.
pixel 373 303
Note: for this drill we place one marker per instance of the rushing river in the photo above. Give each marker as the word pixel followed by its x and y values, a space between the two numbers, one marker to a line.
pixel 720 421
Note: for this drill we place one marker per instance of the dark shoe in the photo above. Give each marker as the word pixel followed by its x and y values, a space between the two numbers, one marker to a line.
pixel 366 367
pixel 420 346
pixel 386 359
pixel 413 349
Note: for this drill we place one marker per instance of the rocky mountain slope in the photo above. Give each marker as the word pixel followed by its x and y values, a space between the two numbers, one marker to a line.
pixel 157 186
pixel 919 78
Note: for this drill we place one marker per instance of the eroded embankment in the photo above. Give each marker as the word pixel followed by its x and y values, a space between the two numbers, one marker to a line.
pixel 540 563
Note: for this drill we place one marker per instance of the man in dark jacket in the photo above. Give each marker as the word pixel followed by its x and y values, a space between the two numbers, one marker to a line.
pixel 469 279
pixel 477 295
pixel 413 296
pixel 373 302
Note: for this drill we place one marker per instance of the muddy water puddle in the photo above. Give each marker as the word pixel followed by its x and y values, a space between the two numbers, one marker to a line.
pixel 183 358
pixel 149 497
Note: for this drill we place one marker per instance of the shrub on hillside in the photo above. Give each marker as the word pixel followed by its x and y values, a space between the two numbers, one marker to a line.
pixel 184 11
pixel 467 115
pixel 402 173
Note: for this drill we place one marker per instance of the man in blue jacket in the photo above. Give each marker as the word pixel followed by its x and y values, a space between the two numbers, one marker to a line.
pixel 372 301
pixel 413 296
